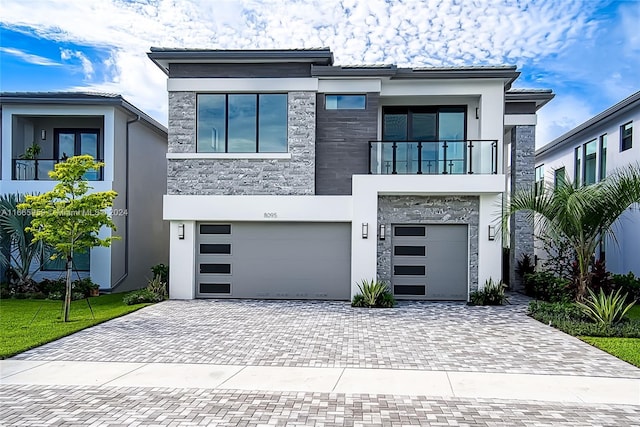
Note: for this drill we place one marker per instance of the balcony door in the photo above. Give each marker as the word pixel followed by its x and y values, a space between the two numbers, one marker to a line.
pixel 441 132
pixel 76 142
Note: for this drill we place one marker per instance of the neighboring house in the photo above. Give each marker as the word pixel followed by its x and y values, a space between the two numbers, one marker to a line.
pixel 586 155
pixel 133 147
pixel 292 178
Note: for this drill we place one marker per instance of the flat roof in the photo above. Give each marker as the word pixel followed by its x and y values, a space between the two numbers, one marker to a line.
pixel 540 96
pixel 78 98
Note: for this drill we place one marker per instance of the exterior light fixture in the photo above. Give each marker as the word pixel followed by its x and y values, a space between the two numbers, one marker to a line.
pixel 383 230
pixel 181 231
pixel 43 134
pixel 492 232
pixel 365 230
pixel 477 113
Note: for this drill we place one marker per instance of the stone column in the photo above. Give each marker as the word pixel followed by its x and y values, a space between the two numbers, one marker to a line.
pixel 523 141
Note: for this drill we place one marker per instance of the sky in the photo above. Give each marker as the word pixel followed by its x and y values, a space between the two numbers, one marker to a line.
pixel 586 51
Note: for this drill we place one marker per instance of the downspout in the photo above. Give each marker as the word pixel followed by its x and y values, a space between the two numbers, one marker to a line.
pixel 126 206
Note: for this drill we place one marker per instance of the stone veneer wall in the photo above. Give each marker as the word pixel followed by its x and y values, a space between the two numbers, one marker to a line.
pixel 295 176
pixel 523 143
pixel 427 210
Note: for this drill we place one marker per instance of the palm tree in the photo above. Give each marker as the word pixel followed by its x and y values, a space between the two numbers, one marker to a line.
pixel 23 251
pixel 580 215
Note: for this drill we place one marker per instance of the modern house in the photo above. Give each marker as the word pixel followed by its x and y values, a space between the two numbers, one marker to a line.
pixel 132 146
pixel 290 177
pixel 586 155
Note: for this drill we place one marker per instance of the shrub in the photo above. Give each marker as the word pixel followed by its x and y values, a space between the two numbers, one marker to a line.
pixel 83 286
pixel 140 296
pixel 605 308
pixel 627 284
pixel 570 319
pixel 55 289
pixel 373 293
pixel 491 294
pixel 49 287
pixel 525 265
pixel 545 286
pixel 161 270
pixel 600 278
pixel 158 287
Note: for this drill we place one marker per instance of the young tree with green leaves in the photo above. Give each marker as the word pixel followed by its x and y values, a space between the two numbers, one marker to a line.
pixel 68 218
pixel 580 215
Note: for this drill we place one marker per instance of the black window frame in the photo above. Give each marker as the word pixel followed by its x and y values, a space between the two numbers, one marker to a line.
pixel 538 179
pixel 626 141
pixel 602 157
pixel 76 142
pixel 226 122
pixel 423 109
pixel 556 173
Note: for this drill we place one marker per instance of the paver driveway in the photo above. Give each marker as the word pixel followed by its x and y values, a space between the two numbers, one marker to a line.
pixel 414 335
pixel 423 336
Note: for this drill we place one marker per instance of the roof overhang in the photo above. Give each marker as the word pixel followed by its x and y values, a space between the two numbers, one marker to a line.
pixel 163 57
pixel 540 96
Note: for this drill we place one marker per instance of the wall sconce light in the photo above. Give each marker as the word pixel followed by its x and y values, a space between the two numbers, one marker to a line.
pixel 43 134
pixel 181 231
pixel 383 231
pixel 365 230
pixel 492 232
pixel 477 113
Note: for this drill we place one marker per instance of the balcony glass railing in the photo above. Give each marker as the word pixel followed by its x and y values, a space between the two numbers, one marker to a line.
pixel 38 170
pixel 433 157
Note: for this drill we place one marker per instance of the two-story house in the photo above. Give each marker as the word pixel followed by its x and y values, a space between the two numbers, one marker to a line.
pixel 133 147
pixel 587 154
pixel 289 177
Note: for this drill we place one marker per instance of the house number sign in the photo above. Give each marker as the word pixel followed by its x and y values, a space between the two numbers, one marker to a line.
pixel 271 215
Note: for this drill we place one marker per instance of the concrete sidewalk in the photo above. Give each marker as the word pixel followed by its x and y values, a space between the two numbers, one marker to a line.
pixel 446 384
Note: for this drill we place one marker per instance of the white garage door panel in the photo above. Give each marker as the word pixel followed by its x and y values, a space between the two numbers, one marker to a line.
pixel 284 260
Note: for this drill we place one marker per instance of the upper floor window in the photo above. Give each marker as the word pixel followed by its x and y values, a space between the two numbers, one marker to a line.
pixel 75 142
pixel 577 170
pixel 559 177
pixel 345 102
pixel 589 163
pixel 603 156
pixel 539 179
pixel 626 136
pixel 242 123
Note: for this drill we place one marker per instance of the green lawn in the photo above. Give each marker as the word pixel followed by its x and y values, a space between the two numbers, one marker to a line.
pixel 19 331
pixel 627 349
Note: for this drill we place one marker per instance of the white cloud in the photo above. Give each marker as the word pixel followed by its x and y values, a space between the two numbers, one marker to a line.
pixel 28 57
pixel 85 63
pixel 409 32
pixel 560 116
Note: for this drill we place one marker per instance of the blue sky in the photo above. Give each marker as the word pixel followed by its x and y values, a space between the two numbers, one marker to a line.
pixel 586 51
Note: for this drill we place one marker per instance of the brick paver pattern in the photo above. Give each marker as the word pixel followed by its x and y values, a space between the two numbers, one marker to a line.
pixel 414 335
pixel 112 406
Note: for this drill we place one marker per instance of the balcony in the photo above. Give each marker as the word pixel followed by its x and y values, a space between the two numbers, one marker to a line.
pixel 38 170
pixel 456 157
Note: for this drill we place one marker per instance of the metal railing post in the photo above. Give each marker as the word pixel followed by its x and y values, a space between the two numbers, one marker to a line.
pixel 444 157
pixel 420 158
pixel 393 159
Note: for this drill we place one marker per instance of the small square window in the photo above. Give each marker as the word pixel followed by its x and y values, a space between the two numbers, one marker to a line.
pixel 626 136
pixel 345 102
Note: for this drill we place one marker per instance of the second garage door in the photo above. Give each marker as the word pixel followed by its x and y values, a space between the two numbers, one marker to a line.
pixel 274 260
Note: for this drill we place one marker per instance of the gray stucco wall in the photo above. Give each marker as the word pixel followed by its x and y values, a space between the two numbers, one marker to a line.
pixel 523 143
pixel 428 210
pixel 342 144
pixel 293 176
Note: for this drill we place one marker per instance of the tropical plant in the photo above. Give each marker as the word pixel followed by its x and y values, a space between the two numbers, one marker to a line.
pixel 162 270
pixel 627 283
pixel 373 293
pixel 491 294
pixel 140 296
pixel 22 250
pixel 525 265
pixel 67 218
pixel 605 309
pixel 544 286
pixel 32 152
pixel 581 215
pixel 158 287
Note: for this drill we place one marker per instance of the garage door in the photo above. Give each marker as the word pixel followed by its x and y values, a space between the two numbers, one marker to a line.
pixel 430 262
pixel 274 260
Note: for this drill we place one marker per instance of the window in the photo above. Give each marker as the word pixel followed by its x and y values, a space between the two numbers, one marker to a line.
pixel 577 171
pixel 589 176
pixel 441 130
pixel 81 261
pixel 242 123
pixel 75 142
pixel 626 136
pixel 559 177
pixel 603 157
pixel 539 179
pixel 345 102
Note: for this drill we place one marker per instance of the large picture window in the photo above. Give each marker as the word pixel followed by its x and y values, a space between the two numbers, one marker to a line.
pixel 626 136
pixel 242 123
pixel 81 261
pixel 590 163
